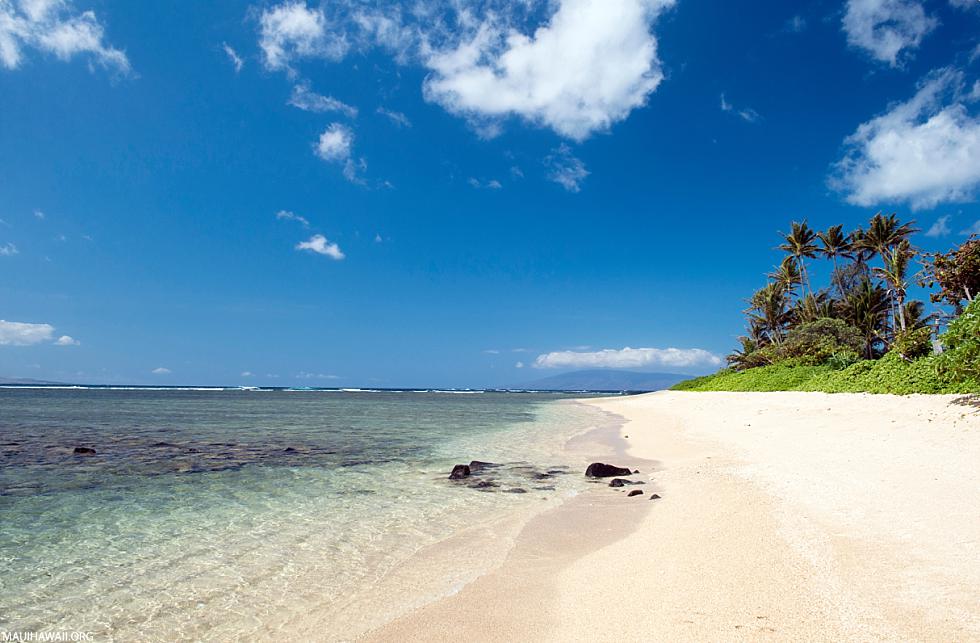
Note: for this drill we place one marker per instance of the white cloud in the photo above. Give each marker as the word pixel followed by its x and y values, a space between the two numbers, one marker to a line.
pixel 306 99
pixel 233 56
pixel 492 351
pixel 964 4
pixel 292 30
pixel 336 144
pixel 8 250
pixel 746 114
pixel 39 215
pixel 886 28
pixel 924 151
pixel 628 358
pixel 519 365
pixel 940 228
pixel 316 376
pixel 565 169
pixel 322 246
pixel 796 24
pixel 492 184
pixel 54 27
pixel 286 215
pixel 24 334
pixel 592 64
pixel 160 370
pixel 395 117
pixel 67 340
pixel 378 238
pixel 247 374
pixel 972 230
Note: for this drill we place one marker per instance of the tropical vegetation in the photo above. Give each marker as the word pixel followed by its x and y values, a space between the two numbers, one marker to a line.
pixel 860 331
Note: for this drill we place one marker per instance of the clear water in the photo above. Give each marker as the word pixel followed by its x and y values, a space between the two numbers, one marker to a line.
pixel 223 515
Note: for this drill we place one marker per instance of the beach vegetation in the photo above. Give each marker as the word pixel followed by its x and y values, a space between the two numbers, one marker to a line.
pixel 859 331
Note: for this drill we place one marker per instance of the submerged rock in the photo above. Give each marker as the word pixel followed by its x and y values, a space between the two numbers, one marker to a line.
pixel 621 482
pixel 654 496
pixel 476 465
pixel 484 484
pixel 460 471
pixel 84 451
pixel 602 470
pixel 635 492
pixel 515 490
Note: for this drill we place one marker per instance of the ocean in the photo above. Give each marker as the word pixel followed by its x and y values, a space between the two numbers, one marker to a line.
pixel 224 514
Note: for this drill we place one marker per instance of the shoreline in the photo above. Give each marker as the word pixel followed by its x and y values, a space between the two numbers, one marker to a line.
pixel 786 515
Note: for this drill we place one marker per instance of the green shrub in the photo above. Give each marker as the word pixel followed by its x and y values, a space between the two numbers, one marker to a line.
pixel 961 357
pixel 816 342
pixel 913 343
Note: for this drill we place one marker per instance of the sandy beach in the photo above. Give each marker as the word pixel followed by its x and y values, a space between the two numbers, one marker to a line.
pixel 784 516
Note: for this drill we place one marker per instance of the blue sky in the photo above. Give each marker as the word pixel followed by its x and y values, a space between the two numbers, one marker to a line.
pixel 384 194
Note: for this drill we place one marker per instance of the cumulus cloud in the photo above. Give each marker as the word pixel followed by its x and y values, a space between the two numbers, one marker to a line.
pixel 233 56
pixel 397 118
pixel 628 358
pixel 247 374
pixel 286 215
pixel 39 215
pixel 565 169
pixel 592 64
pixel 8 250
pixel 24 334
pixel 336 145
pixel 924 151
pixel 67 340
pixel 54 27
pixel 160 370
pixel 306 99
pixel 292 30
pixel 940 228
pixel 321 246
pixel 887 28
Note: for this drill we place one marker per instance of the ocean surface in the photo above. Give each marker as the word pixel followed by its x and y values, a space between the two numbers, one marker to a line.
pixel 224 514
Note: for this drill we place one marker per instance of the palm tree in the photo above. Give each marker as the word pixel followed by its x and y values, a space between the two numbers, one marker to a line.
pixel 787 275
pixel 883 237
pixel 799 243
pixel 865 307
pixel 893 272
pixel 769 312
pixel 835 244
pixel 812 307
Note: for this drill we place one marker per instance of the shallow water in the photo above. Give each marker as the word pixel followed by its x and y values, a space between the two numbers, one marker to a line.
pixel 225 514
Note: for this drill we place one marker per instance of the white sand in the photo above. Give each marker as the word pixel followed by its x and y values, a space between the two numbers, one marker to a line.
pixel 785 516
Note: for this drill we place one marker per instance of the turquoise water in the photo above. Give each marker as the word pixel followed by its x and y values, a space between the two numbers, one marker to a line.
pixel 225 514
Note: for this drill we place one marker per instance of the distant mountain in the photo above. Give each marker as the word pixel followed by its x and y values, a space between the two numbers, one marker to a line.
pixel 606 380
pixel 25 381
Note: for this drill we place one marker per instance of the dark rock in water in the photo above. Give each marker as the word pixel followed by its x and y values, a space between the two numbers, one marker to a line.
pixel 484 484
pixel 84 451
pixel 460 471
pixel 165 445
pixel 654 496
pixel 635 492
pixel 542 476
pixel 557 472
pixel 601 470
pixel 476 465
pixel 636 470
pixel 289 450
pixel 621 482
pixel 549 488
pixel 515 490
